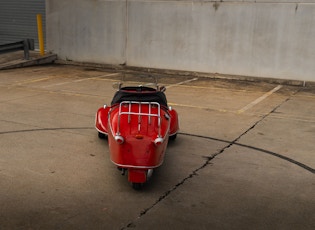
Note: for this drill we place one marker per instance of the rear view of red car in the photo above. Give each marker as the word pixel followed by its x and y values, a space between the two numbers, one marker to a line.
pixel 138 125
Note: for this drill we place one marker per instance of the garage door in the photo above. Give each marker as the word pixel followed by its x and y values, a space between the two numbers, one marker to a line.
pixel 18 20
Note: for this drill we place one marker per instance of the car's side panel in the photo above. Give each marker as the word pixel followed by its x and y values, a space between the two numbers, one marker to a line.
pixel 174 127
pixel 101 119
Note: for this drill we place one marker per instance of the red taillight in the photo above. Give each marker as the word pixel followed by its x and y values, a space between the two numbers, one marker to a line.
pixel 158 141
pixel 119 139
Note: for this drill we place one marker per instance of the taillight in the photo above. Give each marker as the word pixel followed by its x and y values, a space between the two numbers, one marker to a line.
pixel 158 141
pixel 119 139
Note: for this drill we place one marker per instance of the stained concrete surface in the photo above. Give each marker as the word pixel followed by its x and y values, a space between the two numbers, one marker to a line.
pixel 17 59
pixel 233 166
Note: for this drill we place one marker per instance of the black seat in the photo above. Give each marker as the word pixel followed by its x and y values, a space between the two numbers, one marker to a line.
pixel 139 93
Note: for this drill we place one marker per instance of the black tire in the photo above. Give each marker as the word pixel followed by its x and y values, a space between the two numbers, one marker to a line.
pixel 173 137
pixel 137 186
pixel 102 135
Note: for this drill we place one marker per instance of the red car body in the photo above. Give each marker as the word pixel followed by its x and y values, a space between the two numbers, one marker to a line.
pixel 138 125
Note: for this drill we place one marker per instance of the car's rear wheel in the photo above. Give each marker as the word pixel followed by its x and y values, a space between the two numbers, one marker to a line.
pixel 137 186
pixel 173 137
pixel 102 135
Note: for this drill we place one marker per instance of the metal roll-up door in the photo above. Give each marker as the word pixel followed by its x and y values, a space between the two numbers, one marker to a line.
pixel 18 20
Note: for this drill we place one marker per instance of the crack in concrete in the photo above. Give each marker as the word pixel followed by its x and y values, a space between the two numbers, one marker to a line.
pixel 191 175
pixel 206 163
pixel 168 192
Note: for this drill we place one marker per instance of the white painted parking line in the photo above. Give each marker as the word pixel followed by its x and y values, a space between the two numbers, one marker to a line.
pixel 260 99
pixel 79 80
pixel 89 78
pixel 28 81
pixel 56 84
pixel 180 83
pixel 200 107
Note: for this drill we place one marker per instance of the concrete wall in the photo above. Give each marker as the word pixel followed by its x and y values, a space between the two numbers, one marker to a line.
pixel 252 38
pixel 87 30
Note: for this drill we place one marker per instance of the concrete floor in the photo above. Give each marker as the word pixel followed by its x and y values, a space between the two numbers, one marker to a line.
pixel 244 158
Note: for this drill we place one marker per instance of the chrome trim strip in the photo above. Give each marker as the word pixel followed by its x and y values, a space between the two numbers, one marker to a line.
pixel 101 131
pixel 136 167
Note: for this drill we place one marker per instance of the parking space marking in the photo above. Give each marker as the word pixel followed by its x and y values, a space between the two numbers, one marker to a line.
pixel 215 88
pixel 180 83
pixel 80 80
pixel 260 99
pixel 32 80
pixel 89 78
pixel 200 107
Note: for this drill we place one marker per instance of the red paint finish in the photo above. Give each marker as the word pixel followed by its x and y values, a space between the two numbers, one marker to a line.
pixel 138 125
